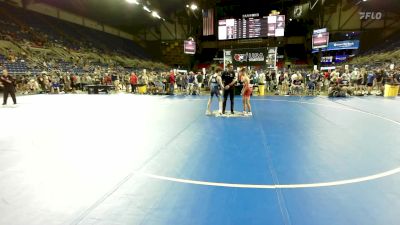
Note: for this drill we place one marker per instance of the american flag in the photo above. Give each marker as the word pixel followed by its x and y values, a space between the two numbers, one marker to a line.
pixel 208 22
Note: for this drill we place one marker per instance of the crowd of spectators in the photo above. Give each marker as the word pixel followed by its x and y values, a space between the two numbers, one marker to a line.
pixel 120 80
pixel 339 82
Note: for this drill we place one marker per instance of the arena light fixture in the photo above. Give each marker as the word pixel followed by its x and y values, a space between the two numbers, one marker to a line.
pixel 155 14
pixel 146 9
pixel 193 6
pixel 133 2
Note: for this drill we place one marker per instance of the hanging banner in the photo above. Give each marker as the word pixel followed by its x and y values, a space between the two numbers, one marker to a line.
pixel 341 45
pixel 327 59
pixel 300 11
pixel 320 40
pixel 341 58
pixel 227 57
pixel 249 57
pixel 272 57
pixel 189 47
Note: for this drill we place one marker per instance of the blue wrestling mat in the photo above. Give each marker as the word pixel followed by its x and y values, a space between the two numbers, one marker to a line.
pixel 144 160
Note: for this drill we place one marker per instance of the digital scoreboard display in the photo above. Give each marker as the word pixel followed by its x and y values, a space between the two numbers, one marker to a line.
pixel 257 27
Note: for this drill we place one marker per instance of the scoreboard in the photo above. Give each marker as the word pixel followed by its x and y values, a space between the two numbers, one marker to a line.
pixel 254 27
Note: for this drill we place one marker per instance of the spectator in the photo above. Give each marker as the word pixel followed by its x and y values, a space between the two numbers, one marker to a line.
pixel 191 82
pixel 354 76
pixel 200 79
pixel 171 83
pixel 312 80
pixel 133 81
pixel 370 81
pixel 268 81
pixel 296 87
pixel 379 81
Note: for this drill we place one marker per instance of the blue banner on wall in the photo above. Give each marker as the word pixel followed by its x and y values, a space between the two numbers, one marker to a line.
pixel 341 45
pixel 341 58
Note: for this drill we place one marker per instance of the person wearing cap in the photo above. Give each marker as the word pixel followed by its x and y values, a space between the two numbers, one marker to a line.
pixel 9 87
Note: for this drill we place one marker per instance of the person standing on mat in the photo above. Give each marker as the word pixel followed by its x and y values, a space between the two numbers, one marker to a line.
pixel 229 80
pixel 9 87
pixel 246 92
pixel 215 83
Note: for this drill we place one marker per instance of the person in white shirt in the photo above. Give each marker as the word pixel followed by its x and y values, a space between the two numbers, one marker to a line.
pixel 355 75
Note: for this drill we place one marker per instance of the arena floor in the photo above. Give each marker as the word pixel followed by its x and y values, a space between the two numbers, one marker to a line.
pixel 158 160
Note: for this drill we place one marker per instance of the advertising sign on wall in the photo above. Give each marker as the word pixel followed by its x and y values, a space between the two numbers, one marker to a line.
pixel 249 57
pixel 341 45
pixel 341 58
pixel 327 59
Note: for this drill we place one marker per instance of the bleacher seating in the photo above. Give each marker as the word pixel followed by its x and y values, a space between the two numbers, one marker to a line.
pixel 34 27
pixel 16 67
pixel 173 53
pixel 31 43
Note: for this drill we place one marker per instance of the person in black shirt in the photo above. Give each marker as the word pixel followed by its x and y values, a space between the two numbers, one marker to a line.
pixel 397 77
pixel 229 80
pixel 9 87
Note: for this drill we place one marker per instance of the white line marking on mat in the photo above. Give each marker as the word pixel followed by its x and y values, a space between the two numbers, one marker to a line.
pixel 278 186
pixel 289 186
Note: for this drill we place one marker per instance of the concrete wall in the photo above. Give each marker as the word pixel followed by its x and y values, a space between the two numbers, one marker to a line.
pixel 43 9
pixel 112 30
pixel 93 24
pixel 64 15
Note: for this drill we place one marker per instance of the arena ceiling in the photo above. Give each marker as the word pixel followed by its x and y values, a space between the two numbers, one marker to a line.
pixel 131 18
pixel 119 13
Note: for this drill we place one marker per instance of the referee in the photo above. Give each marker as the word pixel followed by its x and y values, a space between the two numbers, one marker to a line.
pixel 9 87
pixel 229 80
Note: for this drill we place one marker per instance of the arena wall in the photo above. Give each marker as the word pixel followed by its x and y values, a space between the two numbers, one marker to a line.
pixel 94 25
